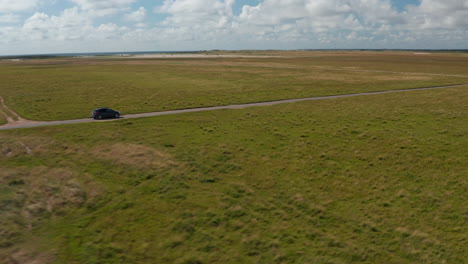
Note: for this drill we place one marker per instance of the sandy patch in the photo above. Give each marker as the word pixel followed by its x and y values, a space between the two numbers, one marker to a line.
pixel 48 190
pixel 21 146
pixel 24 256
pixel 32 195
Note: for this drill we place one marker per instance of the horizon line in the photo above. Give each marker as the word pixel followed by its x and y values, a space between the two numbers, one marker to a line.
pixel 102 53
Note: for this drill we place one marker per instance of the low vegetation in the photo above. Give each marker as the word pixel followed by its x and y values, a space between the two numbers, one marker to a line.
pixel 65 88
pixel 371 179
pixel 2 119
pixel 401 61
pixel 4 113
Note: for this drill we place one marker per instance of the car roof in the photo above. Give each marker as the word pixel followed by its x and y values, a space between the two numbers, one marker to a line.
pixel 101 108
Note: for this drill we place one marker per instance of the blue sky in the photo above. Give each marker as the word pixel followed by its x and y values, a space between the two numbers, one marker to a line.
pixel 65 26
pixel 402 4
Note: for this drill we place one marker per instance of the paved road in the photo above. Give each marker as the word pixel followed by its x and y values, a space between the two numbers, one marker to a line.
pixel 211 108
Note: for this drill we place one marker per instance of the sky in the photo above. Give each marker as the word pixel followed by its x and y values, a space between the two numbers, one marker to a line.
pixel 72 26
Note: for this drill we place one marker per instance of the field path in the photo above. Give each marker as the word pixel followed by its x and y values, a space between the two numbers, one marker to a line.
pixel 17 122
pixel 13 119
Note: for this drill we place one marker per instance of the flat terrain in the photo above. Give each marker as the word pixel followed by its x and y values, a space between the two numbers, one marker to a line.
pixel 2 119
pixel 67 88
pixel 19 122
pixel 4 112
pixel 371 179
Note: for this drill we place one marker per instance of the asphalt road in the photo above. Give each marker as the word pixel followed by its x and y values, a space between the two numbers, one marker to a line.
pixel 211 108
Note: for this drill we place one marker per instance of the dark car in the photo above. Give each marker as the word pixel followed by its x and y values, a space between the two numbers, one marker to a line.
pixel 104 112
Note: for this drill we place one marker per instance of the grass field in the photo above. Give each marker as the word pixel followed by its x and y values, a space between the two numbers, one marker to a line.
pixel 54 89
pixel 372 179
pixel 4 113
pixel 415 62
pixel 2 119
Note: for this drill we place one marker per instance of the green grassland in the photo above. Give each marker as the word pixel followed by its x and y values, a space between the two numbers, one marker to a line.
pixel 54 89
pixel 371 179
pixel 402 61
pixel 4 113
pixel 2 119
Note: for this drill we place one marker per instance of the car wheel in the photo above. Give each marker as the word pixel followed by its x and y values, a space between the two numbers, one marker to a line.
pixel 117 116
pixel 99 117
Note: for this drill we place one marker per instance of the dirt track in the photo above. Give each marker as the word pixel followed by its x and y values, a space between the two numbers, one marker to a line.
pixel 24 123
pixel 12 117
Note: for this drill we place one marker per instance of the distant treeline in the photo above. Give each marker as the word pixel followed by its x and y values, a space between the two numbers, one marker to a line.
pixel 61 55
pixel 28 57
pixel 90 54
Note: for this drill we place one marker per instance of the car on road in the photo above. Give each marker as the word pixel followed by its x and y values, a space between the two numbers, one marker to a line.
pixel 104 112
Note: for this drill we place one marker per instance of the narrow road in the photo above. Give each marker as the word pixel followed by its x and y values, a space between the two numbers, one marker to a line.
pixel 27 124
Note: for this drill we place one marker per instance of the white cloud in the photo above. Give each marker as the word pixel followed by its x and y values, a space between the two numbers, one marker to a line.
pixel 212 24
pixel 104 7
pixel 102 4
pixel 9 18
pixel 70 25
pixel 373 23
pixel 197 14
pixel 376 11
pixel 320 15
pixel 9 6
pixel 274 12
pixel 437 14
pixel 197 20
pixel 137 16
